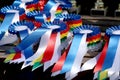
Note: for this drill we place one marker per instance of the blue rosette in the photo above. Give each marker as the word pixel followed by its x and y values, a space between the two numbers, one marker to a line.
pixel 52 25
pixel 68 17
pixel 12 27
pixel 33 14
pixel 93 36
pixel 5 9
pixel 110 31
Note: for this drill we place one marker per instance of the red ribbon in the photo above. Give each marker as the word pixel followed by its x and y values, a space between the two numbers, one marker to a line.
pixel 50 48
pixel 101 59
pixel 17 56
pixel 60 63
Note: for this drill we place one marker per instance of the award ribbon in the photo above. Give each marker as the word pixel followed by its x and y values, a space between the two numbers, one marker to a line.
pixel 23 28
pixel 110 57
pixel 73 61
pixel 51 54
pixel 11 15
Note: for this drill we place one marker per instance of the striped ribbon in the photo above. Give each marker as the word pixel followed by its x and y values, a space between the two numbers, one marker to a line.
pixel 109 59
pixel 71 64
pixel 41 55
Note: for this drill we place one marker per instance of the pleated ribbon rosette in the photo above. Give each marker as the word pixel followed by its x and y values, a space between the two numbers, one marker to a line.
pixel 12 14
pixel 71 60
pixel 108 63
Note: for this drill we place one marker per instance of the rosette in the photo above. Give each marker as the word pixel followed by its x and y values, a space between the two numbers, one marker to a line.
pixel 39 16
pixel 72 20
pixel 108 62
pixel 22 28
pixel 11 15
pixel 76 52
pixel 50 43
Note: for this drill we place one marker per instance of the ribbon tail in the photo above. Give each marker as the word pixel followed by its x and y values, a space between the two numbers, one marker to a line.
pixel 115 76
pixel 90 63
pixel 111 52
pixel 103 75
pixel 56 53
pixel 116 64
pixel 8 20
pixel 12 38
pixel 82 50
pixel 41 48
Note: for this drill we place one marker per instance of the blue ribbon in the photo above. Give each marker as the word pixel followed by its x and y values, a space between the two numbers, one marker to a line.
pixel 12 7
pixel 12 27
pixel 23 33
pixel 8 18
pixel 72 53
pixel 75 45
pixel 49 5
pixel 4 26
pixel 38 15
pixel 112 47
pixel 29 40
pixel 17 2
pixel 62 26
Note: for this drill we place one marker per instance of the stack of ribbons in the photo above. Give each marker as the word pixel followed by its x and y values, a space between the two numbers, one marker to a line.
pixel 61 38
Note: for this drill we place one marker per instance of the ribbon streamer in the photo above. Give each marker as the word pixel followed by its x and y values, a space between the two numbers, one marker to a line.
pixel 73 61
pixel 23 28
pixel 55 27
pixel 111 55
pixel 12 15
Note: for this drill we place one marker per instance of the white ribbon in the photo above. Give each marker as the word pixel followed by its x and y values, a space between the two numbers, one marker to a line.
pixel 56 54
pixel 41 49
pixel 90 64
pixel 113 71
pixel 78 60
pixel 9 38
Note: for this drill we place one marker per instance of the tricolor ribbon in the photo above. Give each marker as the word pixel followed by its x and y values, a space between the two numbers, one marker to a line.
pixel 11 15
pixel 71 65
pixel 109 59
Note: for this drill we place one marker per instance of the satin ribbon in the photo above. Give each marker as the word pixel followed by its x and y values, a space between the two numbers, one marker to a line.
pixel 39 16
pixel 113 72
pixel 23 28
pixel 109 58
pixel 73 61
pixel 17 2
pixel 53 56
pixel 39 53
pixel 113 43
pixel 37 57
pixel 28 40
pixel 12 15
